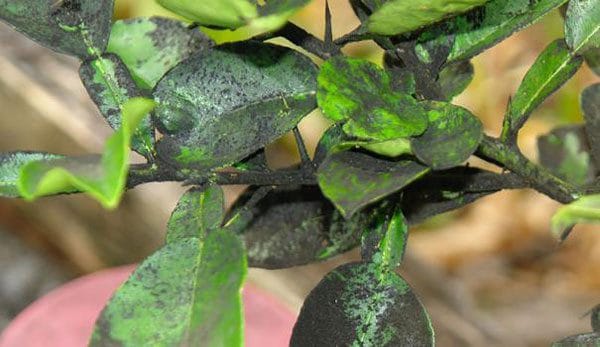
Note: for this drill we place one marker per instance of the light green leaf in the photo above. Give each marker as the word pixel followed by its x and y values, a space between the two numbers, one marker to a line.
pixel 198 212
pixel 10 167
pixel 102 177
pixel 590 105
pixel 78 28
pixel 395 17
pixel 360 94
pixel 583 210
pixel 385 242
pixel 553 68
pixel 582 25
pixel 188 293
pixel 150 47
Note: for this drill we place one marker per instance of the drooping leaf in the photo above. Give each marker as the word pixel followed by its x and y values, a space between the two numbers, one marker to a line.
pixel 150 47
pixel 110 85
pixel 353 180
pixel 385 242
pixel 454 134
pixel 583 210
pixel 360 93
pixel 455 78
pixel 11 164
pixel 75 27
pixel 553 68
pixel 590 105
pixel 360 304
pixel 395 17
pixel 221 105
pixel 100 176
pixel 582 25
pixel 188 293
pixel 198 212
pixel 565 151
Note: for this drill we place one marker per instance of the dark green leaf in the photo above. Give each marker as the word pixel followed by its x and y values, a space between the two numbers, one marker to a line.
pixel 592 58
pixel 10 167
pixel 395 17
pixel 581 340
pixel 353 180
pixel 583 210
pixel 385 242
pixel 455 78
pixel 100 176
pixel 222 105
pixel 198 212
pixel 595 318
pixel 188 293
pixel 360 93
pixel 109 84
pixel 358 304
pixel 453 135
pixel 590 104
pixel 76 27
pixel 582 25
pixel 152 46
pixel 554 66
pixel 256 161
pixel 565 151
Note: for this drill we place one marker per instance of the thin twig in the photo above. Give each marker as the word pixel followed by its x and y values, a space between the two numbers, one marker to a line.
pixel 301 147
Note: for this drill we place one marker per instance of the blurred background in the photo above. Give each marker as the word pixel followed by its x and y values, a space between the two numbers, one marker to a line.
pixel 490 274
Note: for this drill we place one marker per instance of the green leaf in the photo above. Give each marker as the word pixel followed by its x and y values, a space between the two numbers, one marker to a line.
pixel 75 27
pixel 583 210
pixel 592 58
pixel 360 93
pixel 565 151
pixel 221 105
pixel 385 243
pixel 590 105
pixel 198 212
pixel 395 17
pixel 582 25
pixel 455 78
pixel 454 134
pixel 102 177
pixel 353 180
pixel 256 161
pixel 150 47
pixel 188 293
pixel 553 68
pixel 10 167
pixel 110 86
pixel 360 304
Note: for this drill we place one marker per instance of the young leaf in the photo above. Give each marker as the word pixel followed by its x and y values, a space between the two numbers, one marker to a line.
pixel 590 104
pixel 554 66
pixel 454 134
pixel 75 27
pixel 109 84
pixel 353 180
pixel 583 210
pixel 102 177
pixel 582 25
pixel 223 104
pixel 188 293
pixel 394 17
pixel 360 93
pixel 10 167
pixel 565 152
pixel 385 243
pixel 455 78
pixel 198 212
pixel 150 47
pixel 361 304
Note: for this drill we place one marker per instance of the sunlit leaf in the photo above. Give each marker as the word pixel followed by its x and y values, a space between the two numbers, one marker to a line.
pixel 590 105
pixel 583 210
pixel 582 25
pixel 11 164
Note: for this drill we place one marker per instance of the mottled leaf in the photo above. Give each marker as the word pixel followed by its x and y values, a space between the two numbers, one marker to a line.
pixel 353 180
pixel 223 104
pixel 583 210
pixel 198 212
pixel 150 47
pixel 110 85
pixel 565 152
pixel 360 94
pixel 100 176
pixel 454 134
pixel 590 104
pixel 188 293
pixel 395 17
pixel 10 167
pixel 455 78
pixel 75 27
pixel 358 304
pixel 385 242
pixel 553 68
pixel 582 25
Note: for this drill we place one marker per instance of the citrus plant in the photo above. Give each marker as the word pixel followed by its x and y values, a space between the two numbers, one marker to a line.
pixel 202 114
